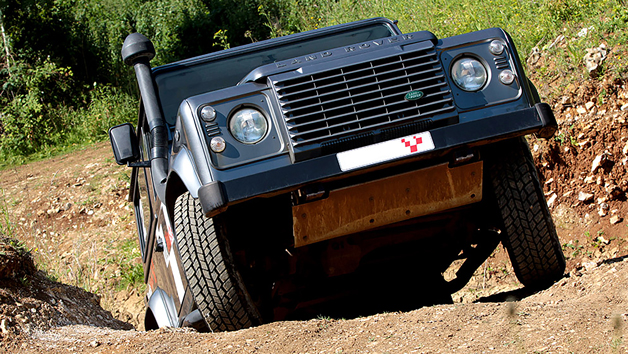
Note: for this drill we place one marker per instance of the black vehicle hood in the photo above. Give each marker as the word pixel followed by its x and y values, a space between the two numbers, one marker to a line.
pixel 259 74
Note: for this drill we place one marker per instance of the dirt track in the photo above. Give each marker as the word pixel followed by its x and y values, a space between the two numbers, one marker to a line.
pixel 584 313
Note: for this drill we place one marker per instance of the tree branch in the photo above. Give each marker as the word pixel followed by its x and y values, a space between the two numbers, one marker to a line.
pixel 7 48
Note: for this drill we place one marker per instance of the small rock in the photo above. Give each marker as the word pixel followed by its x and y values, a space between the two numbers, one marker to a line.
pixel 581 110
pixel 549 181
pixel 585 197
pixel 551 200
pixel 589 179
pixel 614 192
pixel 568 193
pixel 589 105
pixel 94 343
pixel 558 39
pixel 589 265
pixel 624 107
pixel 583 32
pixel 597 162
pixel 594 58
pixel 534 56
pixel 575 273
pixel 603 240
pixel 565 101
pixel 615 219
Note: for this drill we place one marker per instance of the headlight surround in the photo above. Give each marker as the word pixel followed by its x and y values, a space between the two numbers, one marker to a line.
pixel 469 74
pixel 248 125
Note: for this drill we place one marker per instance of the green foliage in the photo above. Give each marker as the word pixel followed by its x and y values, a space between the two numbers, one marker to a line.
pixel 6 227
pixel 66 83
pixel 131 270
pixel 284 17
pixel 30 96
pixel 222 38
pixel 108 106
pixel 567 10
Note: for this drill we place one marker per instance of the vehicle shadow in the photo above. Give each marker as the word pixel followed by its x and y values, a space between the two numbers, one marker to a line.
pixel 381 289
pixel 397 287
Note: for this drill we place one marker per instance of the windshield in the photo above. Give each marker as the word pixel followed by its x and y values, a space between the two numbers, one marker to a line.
pixel 179 81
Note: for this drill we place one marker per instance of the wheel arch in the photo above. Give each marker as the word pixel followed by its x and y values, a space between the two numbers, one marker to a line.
pixel 182 178
pixel 161 309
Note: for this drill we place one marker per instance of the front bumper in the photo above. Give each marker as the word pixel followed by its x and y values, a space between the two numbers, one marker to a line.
pixel 216 196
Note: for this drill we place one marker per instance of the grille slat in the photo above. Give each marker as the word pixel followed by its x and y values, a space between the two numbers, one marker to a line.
pixel 343 76
pixel 375 126
pixel 293 125
pixel 345 102
pixel 363 121
pixel 340 92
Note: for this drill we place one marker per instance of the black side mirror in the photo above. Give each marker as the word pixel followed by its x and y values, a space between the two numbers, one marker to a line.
pixel 124 143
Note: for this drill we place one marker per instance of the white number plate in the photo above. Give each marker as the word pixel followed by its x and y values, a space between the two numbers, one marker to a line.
pixel 385 151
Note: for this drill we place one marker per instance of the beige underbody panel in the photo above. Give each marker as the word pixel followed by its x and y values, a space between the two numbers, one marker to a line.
pixel 386 201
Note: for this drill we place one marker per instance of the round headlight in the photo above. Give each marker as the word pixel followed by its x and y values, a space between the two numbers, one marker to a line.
pixel 248 126
pixel 469 74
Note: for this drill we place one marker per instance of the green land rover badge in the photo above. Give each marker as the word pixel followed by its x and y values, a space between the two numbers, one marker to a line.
pixel 414 95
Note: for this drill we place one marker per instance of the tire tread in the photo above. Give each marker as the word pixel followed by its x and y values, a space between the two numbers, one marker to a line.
pixel 214 288
pixel 530 236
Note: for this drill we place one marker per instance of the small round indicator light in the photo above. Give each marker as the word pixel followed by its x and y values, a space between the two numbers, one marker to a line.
pixel 496 47
pixel 217 144
pixel 208 113
pixel 506 77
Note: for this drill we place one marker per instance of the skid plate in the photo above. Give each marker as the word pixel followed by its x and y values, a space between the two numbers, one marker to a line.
pixel 386 201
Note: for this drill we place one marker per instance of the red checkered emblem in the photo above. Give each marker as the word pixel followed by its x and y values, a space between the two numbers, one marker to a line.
pixel 413 145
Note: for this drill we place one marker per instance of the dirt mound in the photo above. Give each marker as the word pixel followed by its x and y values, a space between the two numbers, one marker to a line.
pixel 30 302
pixel 582 313
pixel 72 212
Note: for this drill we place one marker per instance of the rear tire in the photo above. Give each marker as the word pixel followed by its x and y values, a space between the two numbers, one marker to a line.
pixel 528 231
pixel 215 283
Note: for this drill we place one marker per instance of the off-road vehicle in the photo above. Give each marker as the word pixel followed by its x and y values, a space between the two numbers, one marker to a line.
pixel 269 176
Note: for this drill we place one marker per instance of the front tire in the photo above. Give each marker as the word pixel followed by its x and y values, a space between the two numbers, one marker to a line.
pixel 528 231
pixel 215 283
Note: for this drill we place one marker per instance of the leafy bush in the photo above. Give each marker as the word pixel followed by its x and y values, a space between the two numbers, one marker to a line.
pixel 31 96
pixel 108 106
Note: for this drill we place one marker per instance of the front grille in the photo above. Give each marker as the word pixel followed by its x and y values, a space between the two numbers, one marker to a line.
pixel 352 101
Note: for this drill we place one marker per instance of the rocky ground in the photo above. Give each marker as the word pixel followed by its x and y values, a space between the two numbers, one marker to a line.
pixel 71 217
pixel 30 302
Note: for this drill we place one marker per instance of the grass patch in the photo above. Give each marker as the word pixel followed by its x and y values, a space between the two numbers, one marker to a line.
pixel 128 258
